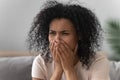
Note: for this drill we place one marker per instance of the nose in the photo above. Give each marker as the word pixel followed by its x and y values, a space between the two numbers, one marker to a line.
pixel 57 38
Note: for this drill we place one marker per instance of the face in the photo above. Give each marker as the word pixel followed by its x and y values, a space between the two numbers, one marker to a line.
pixel 63 29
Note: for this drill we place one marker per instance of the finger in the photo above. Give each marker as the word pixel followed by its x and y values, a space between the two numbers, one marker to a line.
pixel 66 46
pixel 61 57
pixel 57 53
pixel 64 60
pixel 76 48
pixel 56 50
pixel 61 51
pixel 67 50
pixel 50 45
pixel 67 53
pixel 53 52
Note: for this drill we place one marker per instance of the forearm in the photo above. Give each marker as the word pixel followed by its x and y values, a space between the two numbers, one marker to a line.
pixel 71 75
pixel 56 75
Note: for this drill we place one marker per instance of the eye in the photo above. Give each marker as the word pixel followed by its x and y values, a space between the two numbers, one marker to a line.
pixel 65 33
pixel 52 32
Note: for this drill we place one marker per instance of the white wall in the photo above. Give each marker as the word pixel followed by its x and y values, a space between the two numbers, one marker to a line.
pixel 16 17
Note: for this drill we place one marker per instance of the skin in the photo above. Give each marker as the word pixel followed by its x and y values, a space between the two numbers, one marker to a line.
pixel 63 46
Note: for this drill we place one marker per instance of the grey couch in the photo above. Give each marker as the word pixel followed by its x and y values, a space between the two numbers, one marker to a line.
pixel 19 68
pixel 114 70
pixel 16 68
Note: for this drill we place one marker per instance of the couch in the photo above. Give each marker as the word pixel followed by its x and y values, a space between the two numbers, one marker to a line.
pixel 114 70
pixel 17 66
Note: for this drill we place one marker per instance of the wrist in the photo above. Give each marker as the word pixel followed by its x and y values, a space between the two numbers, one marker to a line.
pixel 59 70
pixel 70 70
pixel 71 74
pixel 57 74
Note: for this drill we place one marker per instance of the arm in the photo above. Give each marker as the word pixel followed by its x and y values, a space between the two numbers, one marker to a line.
pixel 57 75
pixel 68 60
pixel 36 79
pixel 58 71
pixel 100 69
pixel 71 75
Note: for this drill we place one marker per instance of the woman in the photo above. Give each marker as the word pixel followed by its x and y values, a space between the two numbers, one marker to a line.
pixel 67 37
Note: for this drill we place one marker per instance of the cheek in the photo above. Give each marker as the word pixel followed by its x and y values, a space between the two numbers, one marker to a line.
pixel 71 42
pixel 49 38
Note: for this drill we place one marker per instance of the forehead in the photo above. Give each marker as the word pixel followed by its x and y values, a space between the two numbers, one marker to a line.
pixel 61 24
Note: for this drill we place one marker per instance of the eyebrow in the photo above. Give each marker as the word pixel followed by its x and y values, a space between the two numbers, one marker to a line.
pixel 61 30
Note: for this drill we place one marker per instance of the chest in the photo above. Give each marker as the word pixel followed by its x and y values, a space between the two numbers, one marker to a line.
pixel 82 73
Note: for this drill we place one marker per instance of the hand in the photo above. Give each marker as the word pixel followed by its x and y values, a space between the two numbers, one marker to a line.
pixel 57 74
pixel 54 51
pixel 67 56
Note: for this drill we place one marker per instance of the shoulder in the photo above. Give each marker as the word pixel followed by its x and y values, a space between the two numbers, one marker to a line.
pixel 39 61
pixel 100 60
pixel 100 55
pixel 100 67
pixel 39 68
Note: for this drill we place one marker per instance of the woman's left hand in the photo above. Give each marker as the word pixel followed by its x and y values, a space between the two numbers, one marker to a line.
pixel 67 56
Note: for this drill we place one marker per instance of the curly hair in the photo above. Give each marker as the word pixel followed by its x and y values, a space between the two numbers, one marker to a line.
pixel 84 20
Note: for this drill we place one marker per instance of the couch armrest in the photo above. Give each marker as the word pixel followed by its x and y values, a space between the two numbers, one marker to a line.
pixel 14 54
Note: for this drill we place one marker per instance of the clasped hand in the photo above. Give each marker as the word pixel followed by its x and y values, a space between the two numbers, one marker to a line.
pixel 64 57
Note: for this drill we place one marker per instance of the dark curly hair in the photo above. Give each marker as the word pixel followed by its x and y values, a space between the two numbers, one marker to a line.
pixel 84 20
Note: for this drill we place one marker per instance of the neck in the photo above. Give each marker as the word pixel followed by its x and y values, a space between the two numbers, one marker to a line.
pixel 76 60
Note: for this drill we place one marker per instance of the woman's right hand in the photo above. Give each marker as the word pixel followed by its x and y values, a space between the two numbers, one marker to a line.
pixel 58 71
pixel 54 51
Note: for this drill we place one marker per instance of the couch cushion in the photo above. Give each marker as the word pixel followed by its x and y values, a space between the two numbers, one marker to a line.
pixel 114 70
pixel 16 68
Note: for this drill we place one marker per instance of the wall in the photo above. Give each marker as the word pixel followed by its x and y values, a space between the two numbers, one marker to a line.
pixel 16 17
